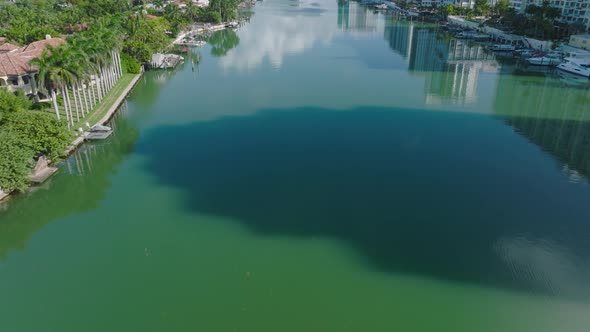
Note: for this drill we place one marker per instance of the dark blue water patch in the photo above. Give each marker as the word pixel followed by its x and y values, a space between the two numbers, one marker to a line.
pixel 449 196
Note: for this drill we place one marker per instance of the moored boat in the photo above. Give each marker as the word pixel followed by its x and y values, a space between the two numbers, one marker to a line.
pixel 546 60
pixel 503 48
pixel 578 66
pixel 472 35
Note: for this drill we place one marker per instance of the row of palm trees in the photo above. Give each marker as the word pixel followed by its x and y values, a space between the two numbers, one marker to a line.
pixel 88 66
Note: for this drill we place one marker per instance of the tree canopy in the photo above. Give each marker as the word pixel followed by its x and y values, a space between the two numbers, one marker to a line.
pixel 24 136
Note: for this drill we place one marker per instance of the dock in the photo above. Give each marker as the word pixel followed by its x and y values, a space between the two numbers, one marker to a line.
pixel 165 60
pixel 93 136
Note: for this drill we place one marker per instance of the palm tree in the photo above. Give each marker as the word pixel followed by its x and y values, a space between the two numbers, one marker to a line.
pixel 58 69
pixel 48 76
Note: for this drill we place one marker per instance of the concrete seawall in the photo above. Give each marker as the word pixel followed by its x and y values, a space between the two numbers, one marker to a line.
pixel 112 110
pixel 80 139
pixel 120 100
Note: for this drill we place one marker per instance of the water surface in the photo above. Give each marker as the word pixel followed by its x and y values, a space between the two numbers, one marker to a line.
pixel 323 168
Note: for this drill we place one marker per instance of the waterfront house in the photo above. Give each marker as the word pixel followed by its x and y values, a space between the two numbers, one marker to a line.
pixel 16 74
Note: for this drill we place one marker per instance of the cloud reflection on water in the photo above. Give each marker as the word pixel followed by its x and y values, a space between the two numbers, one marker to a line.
pixel 276 36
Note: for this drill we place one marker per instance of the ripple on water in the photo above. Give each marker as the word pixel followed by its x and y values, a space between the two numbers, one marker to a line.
pixel 545 264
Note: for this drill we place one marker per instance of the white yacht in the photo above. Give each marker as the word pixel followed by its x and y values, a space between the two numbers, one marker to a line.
pixel 578 66
pixel 503 48
pixel 550 59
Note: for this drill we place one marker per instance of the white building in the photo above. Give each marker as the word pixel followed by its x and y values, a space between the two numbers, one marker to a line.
pixel 576 11
pixel 572 11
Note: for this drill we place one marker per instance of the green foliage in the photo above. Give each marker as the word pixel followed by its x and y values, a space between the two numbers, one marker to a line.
pixel 129 64
pixel 227 9
pixel 502 7
pixel 40 132
pixel 211 17
pixel 145 37
pixel 481 7
pixel 10 102
pixel 25 32
pixel 16 161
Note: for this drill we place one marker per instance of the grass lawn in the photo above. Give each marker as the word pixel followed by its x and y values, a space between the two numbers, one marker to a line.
pixel 107 102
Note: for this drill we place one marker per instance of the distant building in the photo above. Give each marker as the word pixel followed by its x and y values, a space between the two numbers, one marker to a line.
pixel 15 71
pixel 580 41
pixel 572 11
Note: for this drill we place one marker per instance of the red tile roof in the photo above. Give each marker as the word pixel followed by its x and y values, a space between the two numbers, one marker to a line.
pixel 37 47
pixel 7 47
pixel 17 62
pixel 12 64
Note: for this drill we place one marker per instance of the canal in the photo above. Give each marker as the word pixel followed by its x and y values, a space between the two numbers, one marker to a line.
pixel 322 168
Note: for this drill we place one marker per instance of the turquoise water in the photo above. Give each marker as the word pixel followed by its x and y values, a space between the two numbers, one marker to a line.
pixel 334 170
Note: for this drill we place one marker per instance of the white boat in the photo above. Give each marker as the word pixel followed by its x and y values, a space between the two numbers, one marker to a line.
pixel 472 35
pixel 99 128
pixel 546 60
pixel 503 48
pixel 526 53
pixel 578 66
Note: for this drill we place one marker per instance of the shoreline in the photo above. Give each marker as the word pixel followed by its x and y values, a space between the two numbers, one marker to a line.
pixel 108 115
pixel 78 141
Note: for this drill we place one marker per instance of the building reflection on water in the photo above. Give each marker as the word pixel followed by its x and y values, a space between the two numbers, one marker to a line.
pixel 451 67
pixel 550 114
pixel 355 17
pixel 549 111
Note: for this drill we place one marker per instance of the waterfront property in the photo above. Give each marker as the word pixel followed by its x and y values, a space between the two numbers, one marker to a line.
pixel 16 72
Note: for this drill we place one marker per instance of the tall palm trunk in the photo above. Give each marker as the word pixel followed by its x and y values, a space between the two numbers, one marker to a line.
pixel 103 80
pixel 119 64
pixel 85 92
pixel 76 103
pixel 80 100
pixel 69 105
pixel 65 99
pixel 98 84
pixel 93 94
pixel 54 101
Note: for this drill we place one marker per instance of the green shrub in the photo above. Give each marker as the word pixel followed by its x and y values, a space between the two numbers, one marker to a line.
pixel 16 162
pixel 10 102
pixel 129 64
pixel 212 17
pixel 39 131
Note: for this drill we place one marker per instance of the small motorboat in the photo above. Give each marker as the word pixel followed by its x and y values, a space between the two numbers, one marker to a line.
pixel 577 66
pixel 503 48
pixel 99 129
pixel 550 59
